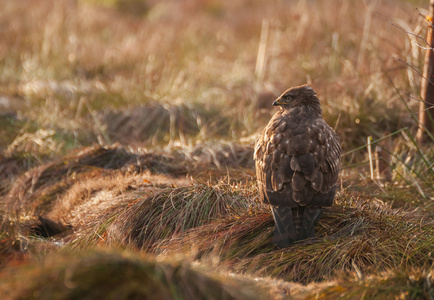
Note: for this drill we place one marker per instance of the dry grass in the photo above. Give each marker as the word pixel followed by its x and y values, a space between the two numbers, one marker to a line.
pixel 35 191
pixel 156 123
pixel 117 205
pixel 179 82
pixel 413 284
pixel 68 189
pixel 221 154
pixel 71 58
pixel 142 217
pixel 354 235
pixel 108 275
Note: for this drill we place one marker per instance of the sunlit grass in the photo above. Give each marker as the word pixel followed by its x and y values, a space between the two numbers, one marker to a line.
pixel 68 56
pixel 113 275
pixel 101 97
pixel 354 235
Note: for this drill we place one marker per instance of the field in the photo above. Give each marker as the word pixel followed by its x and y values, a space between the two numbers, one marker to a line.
pixel 127 130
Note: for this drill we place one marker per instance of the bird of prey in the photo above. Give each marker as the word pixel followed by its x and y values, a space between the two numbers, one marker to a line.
pixel 297 158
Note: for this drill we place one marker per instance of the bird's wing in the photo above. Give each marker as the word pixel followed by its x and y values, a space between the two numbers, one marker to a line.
pixel 327 152
pixel 297 162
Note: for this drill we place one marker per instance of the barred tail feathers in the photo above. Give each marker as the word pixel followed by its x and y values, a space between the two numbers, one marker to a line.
pixel 294 224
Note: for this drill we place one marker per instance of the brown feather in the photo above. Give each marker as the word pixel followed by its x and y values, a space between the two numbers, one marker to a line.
pixel 298 181
pixel 297 155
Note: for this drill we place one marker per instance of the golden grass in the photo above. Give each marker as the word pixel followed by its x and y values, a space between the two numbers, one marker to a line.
pixel 414 284
pixel 72 58
pixel 177 85
pixel 38 188
pixel 112 275
pixel 140 218
pixel 353 235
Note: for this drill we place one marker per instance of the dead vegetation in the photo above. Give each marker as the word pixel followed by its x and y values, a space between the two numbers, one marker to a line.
pixel 131 124
pixel 140 217
pixel 353 236
pixel 416 284
pixel 174 210
pixel 156 123
pixel 115 276
pixel 223 223
pixel 38 188
pixel 108 201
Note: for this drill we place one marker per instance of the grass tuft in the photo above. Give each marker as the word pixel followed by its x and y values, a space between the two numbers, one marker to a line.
pixel 163 213
pixel 411 284
pixel 109 275
pixel 37 188
pixel 352 235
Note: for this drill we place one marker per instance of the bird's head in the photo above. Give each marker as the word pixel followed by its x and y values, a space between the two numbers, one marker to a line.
pixel 303 95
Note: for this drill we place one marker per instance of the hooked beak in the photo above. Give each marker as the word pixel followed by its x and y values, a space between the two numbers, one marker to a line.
pixel 277 102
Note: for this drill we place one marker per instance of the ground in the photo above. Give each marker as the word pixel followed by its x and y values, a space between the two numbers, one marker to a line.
pixel 126 149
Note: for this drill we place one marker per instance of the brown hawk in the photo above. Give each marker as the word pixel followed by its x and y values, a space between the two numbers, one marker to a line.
pixel 297 158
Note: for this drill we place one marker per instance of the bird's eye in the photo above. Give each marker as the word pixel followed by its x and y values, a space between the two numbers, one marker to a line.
pixel 287 97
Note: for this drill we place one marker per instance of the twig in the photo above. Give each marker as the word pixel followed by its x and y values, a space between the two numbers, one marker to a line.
pixel 417 99
pixel 406 31
pixel 406 106
pixel 371 163
pixel 423 16
pixel 413 68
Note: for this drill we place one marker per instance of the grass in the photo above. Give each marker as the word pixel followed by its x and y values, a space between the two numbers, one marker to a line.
pixel 353 235
pixel 131 124
pixel 408 285
pixel 224 225
pixel 66 44
pixel 117 276
pixel 148 216
pixel 35 190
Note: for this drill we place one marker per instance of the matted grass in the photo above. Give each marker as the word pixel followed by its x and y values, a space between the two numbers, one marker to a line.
pixel 155 124
pixel 411 284
pixel 217 154
pixel 354 235
pixel 186 78
pixel 111 275
pixel 60 190
pixel 36 190
pixel 236 236
pixel 162 213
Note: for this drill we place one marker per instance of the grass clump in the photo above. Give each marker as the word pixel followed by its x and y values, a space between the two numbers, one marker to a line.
pixel 169 211
pixel 109 275
pixel 411 284
pixel 220 155
pixel 156 123
pixel 354 235
pixel 37 188
pixel 236 236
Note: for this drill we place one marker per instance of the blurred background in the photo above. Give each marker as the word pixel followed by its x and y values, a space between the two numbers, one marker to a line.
pixel 157 72
pixel 178 74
